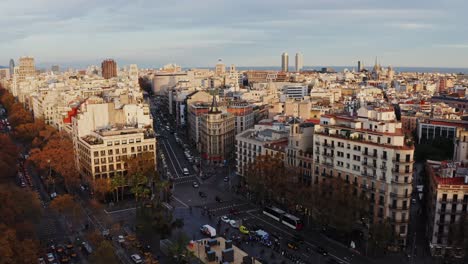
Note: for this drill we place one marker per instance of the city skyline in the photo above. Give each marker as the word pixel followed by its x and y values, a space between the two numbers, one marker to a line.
pixel 191 34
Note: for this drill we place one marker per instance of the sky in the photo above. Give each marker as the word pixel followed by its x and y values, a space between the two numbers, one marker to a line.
pixel 191 33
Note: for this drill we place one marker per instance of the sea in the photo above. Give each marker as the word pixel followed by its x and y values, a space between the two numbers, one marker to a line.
pixel 342 68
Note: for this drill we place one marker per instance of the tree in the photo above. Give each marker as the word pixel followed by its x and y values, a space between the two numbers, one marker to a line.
pixel 381 235
pixel 6 98
pixel 17 115
pixel 104 254
pixel 18 206
pixel 28 131
pixel 58 154
pixel 178 249
pixel 153 222
pixel 65 205
pixel 8 156
pixel 458 235
pixel 101 188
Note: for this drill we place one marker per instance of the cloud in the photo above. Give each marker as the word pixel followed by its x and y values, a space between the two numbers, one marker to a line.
pixel 412 26
pixel 453 46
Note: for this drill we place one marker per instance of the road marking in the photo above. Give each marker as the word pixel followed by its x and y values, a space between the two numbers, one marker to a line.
pixel 175 156
pixel 177 199
pixel 173 166
pixel 118 211
pixel 282 230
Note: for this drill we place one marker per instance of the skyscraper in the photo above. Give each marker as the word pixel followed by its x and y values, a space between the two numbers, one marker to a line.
pixel 109 69
pixel 284 62
pixel 359 69
pixel 27 68
pixel 299 62
pixel 12 67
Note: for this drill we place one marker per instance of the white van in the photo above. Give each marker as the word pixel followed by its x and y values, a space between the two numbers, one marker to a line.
pixel 185 172
pixel 208 230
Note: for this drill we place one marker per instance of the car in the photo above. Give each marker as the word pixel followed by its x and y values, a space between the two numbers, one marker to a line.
pixel 321 251
pixel 136 258
pixel 218 199
pixel 225 219
pixel 244 230
pixel 226 179
pixel 195 184
pixel 413 201
pixel 41 261
pixel 50 257
pixel 234 224
pixel 185 171
pixel 202 194
pixel 121 239
pixel 292 245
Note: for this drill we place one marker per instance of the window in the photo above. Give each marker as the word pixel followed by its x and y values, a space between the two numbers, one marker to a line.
pixel 138 140
pixel 124 150
pixel 119 166
pixel 111 159
pixel 117 142
pixel 109 152
pixel 103 160
pixel 124 142
pixel 117 158
pixel 132 149
pixel 103 152
pixel 103 168
pixel 117 151
pixel 96 161
pixel 96 169
pixel 96 153
pixel 139 148
pixel 109 143
pixel 111 167
pixel 151 147
pixel 145 148
pixel 131 141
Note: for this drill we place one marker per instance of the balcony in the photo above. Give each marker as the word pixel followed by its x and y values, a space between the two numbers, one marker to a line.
pixel 398 208
pixel 384 157
pixel 399 195
pixel 400 221
pixel 401 182
pixel 331 146
pixel 326 175
pixel 367 154
pixel 327 163
pixel 401 161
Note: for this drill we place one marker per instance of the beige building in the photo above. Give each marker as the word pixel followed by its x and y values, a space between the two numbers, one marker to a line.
pixel 217 134
pixel 369 152
pixel 298 108
pixel 27 68
pixel 447 204
pixel 104 133
pixel 101 154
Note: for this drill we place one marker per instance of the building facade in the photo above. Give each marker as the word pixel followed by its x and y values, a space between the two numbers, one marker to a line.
pixel 217 135
pixel 447 204
pixel 369 152
pixel 109 69
pixel 299 62
pixel 284 62
pixel 244 116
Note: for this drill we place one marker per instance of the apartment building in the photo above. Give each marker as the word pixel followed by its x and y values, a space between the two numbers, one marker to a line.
pixel 447 203
pixel 430 129
pixel 299 151
pixel 252 142
pixel 104 132
pixel 217 134
pixel 102 153
pixel 244 116
pixel 369 152
pixel 109 69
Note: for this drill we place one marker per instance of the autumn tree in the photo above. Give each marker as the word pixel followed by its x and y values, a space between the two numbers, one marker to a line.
pixel 65 205
pixel 58 154
pixel 104 254
pixel 17 115
pixel 179 251
pixel 29 131
pixel 6 98
pixel 153 222
pixel 16 250
pixel 101 188
pixel 381 235
pixel 18 206
pixel 8 156
pixel 267 178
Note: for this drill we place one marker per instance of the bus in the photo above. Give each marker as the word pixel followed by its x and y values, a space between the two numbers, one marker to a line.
pixel 292 221
pixel 281 216
pixel 273 212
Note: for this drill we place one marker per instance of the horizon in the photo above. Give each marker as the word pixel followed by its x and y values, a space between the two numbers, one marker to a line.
pixel 249 33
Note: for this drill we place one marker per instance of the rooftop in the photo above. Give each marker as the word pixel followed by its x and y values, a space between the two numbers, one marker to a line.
pixel 198 248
